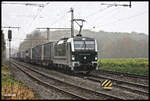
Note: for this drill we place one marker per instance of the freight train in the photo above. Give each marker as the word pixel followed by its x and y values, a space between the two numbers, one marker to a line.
pixel 77 54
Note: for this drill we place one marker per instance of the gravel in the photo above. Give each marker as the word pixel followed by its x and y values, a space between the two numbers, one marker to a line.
pixel 84 83
pixel 90 84
pixel 124 78
pixel 41 92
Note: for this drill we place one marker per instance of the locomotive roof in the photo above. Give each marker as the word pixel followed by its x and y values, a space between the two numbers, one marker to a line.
pixel 80 38
pixel 76 38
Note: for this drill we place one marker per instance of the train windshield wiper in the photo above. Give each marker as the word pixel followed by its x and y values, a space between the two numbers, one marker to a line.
pixel 83 46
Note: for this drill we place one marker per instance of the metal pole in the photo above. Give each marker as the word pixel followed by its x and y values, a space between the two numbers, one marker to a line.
pixel 9 37
pixel 130 4
pixel 48 30
pixel 9 53
pixel 72 24
pixel 31 41
pixel 48 34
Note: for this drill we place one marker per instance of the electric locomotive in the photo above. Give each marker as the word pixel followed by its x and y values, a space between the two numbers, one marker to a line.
pixel 77 54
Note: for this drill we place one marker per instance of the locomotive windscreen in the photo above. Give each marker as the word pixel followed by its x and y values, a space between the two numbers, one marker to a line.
pixel 84 45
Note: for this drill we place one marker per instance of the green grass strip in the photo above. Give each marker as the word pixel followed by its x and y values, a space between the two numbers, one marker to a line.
pixel 139 66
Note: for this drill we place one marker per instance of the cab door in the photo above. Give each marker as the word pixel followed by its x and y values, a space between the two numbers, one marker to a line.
pixel 69 53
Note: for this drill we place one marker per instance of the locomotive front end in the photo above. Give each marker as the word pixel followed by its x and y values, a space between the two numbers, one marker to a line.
pixel 84 54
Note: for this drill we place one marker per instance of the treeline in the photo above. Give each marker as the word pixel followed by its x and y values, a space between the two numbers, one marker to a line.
pixel 32 40
pixel 110 44
pixel 125 48
pixel 120 44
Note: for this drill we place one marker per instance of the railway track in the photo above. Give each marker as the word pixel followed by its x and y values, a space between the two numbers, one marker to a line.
pixel 123 87
pixel 141 89
pixel 123 74
pixel 45 84
pixel 124 81
pixel 72 89
pixel 125 84
pixel 128 96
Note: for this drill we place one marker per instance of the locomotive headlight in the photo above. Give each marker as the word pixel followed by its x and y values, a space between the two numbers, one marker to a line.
pixel 73 58
pixel 85 57
pixel 95 58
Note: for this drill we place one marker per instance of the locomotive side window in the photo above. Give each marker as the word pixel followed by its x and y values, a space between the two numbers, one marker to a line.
pixel 56 52
pixel 60 50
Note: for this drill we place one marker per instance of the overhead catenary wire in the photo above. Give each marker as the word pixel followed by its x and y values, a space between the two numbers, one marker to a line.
pixel 64 16
pixel 58 19
pixel 109 5
pixel 126 18
pixel 112 12
pixel 30 23
pixel 39 10
pixel 92 25
pixel 27 4
pixel 94 13
pixel 118 20
pixel 115 4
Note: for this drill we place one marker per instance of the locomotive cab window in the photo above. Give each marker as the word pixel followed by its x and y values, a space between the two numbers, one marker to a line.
pixel 79 44
pixel 84 45
pixel 90 45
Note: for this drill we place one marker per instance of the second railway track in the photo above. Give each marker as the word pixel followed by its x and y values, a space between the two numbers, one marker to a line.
pixel 76 91
pixel 143 77
pixel 123 87
pixel 93 94
pixel 139 85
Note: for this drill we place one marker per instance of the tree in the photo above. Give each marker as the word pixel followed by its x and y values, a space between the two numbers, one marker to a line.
pixel 33 39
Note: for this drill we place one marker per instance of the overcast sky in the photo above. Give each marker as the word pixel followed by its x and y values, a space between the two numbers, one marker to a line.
pixel 55 14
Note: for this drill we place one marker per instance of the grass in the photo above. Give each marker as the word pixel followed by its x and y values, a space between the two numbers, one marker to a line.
pixel 139 66
pixel 16 89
